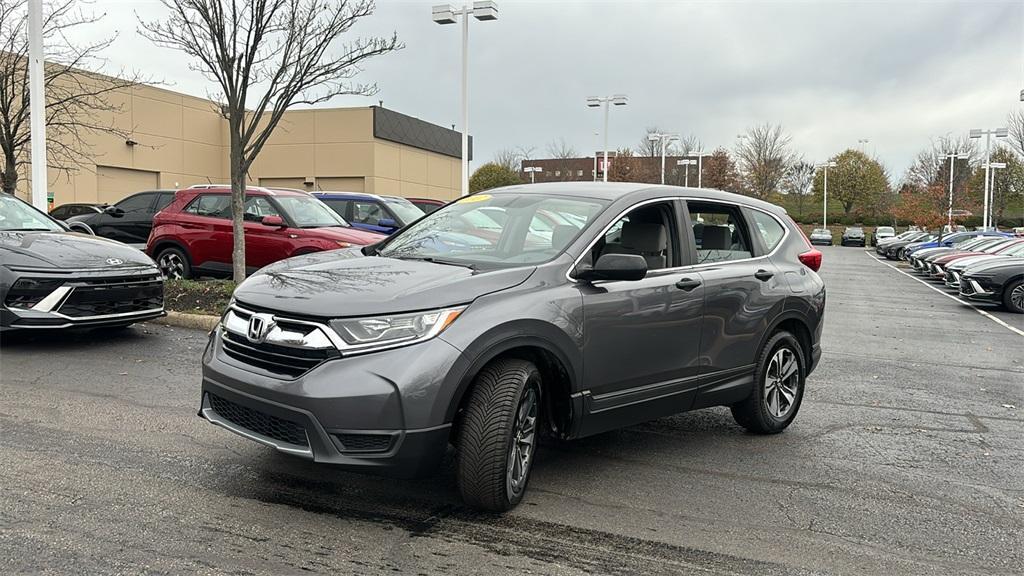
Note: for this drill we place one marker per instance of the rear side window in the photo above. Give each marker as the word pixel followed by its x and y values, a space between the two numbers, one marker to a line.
pixel 137 203
pixel 163 199
pixel 770 229
pixel 719 232
pixel 210 205
pixel 341 207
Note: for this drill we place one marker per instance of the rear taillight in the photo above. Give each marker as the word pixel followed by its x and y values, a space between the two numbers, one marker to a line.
pixel 811 259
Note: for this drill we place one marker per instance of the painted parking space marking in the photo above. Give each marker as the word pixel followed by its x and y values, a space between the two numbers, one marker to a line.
pixel 1017 331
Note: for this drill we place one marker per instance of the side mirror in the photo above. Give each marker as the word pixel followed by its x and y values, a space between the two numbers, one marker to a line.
pixel 114 211
pixel 273 221
pixel 615 267
pixel 387 223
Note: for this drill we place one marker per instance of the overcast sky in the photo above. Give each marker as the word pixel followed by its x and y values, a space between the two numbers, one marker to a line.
pixel 895 72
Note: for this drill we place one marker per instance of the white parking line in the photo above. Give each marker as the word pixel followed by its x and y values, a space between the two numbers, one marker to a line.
pixel 950 296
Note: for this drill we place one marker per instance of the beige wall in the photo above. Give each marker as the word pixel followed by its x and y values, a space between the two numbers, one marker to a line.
pixel 182 140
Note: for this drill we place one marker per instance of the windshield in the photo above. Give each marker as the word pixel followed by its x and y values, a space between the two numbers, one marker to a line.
pixel 496 230
pixel 405 211
pixel 309 212
pixel 16 215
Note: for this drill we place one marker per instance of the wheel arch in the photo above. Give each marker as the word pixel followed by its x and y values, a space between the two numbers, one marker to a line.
pixel 165 243
pixel 797 325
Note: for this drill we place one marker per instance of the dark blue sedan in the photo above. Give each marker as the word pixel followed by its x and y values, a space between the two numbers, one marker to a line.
pixel 384 214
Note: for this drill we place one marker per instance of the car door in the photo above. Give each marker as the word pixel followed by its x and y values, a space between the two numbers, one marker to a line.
pixel 743 292
pixel 641 338
pixel 264 244
pixel 127 223
pixel 204 226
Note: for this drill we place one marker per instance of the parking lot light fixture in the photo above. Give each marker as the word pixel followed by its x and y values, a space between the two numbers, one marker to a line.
pixel 448 14
pixel 532 171
pixel 953 157
pixel 664 139
pixel 988 134
pixel 824 210
pixel 993 166
pixel 686 162
pixel 700 166
pixel 594 102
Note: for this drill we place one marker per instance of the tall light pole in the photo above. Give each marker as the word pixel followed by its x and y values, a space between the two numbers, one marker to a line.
pixel 664 139
pixel 596 101
pixel 700 166
pixel 37 103
pixel 532 171
pixel 953 157
pixel 448 14
pixel 824 210
pixel 978 133
pixel 863 142
pixel 596 139
pixel 686 162
pixel 992 189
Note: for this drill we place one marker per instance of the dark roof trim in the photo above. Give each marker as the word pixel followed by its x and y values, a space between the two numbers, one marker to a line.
pixel 401 129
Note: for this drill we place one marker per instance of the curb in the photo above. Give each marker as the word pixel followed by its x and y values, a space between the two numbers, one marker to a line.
pixel 183 320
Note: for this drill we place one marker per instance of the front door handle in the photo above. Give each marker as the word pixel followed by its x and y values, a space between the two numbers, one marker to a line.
pixel 687 284
pixel 763 275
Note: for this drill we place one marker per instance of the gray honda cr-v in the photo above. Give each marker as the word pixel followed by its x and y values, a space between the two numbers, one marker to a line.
pixel 564 309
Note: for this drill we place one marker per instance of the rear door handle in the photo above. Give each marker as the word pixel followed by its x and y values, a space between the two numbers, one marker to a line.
pixel 763 275
pixel 687 284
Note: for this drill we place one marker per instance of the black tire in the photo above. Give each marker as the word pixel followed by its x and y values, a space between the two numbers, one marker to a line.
pixel 174 263
pixel 1013 296
pixel 487 431
pixel 755 413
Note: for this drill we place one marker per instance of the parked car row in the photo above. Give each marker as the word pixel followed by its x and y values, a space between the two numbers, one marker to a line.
pixel 852 236
pixel 984 266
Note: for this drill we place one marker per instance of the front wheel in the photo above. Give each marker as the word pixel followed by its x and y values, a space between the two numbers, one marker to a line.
pixel 498 435
pixel 1013 296
pixel 778 388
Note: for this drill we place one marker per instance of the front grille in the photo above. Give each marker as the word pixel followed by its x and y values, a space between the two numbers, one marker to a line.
pixel 27 292
pixel 118 295
pixel 285 360
pixel 259 422
pixel 364 442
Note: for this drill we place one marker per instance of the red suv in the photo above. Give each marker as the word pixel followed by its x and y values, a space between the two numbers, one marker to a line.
pixel 192 236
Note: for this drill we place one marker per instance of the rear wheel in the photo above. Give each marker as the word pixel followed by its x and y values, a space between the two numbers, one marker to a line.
pixel 1013 296
pixel 778 388
pixel 173 264
pixel 498 435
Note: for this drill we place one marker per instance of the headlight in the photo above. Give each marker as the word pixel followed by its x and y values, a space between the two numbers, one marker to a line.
pixel 394 330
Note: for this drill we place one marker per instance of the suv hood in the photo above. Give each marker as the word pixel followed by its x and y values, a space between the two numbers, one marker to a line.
pixel 67 250
pixel 340 283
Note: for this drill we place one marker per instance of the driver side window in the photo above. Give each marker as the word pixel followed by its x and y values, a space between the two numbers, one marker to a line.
pixel 648 231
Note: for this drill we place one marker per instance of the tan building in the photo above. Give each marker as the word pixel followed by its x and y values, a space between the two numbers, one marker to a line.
pixel 179 140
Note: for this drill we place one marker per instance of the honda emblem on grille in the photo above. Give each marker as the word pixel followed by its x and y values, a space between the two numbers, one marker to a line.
pixel 260 326
pixel 115 261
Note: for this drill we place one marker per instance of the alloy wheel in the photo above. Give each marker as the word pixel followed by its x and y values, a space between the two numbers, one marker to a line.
pixel 524 440
pixel 171 266
pixel 1017 296
pixel 781 382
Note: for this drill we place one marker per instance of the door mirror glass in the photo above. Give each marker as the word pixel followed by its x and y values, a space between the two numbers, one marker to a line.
pixel 387 223
pixel 273 221
pixel 615 267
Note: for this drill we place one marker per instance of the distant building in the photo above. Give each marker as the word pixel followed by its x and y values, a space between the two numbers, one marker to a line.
pixel 590 168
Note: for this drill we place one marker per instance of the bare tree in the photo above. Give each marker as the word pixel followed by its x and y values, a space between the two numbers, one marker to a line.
pixel 267 56
pixel 78 101
pixel 561 149
pixel 931 166
pixel 1015 122
pixel 764 157
pixel 652 148
pixel 513 158
pixel 799 183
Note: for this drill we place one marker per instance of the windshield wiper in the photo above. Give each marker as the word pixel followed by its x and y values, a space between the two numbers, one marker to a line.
pixel 26 230
pixel 433 260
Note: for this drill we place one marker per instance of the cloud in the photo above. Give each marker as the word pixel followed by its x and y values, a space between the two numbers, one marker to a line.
pixel 897 73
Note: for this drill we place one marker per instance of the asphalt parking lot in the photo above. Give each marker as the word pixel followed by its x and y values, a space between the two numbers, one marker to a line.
pixel 906 458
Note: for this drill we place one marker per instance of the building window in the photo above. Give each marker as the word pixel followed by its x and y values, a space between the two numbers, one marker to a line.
pixel 558 173
pixel 579 173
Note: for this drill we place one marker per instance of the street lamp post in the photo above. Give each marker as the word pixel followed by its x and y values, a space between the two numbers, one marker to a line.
pixel 448 14
pixel 532 171
pixel 686 162
pixel 824 210
pixel 37 104
pixel 594 102
pixel 992 189
pixel 952 158
pixel 664 139
pixel 978 133
pixel 700 167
